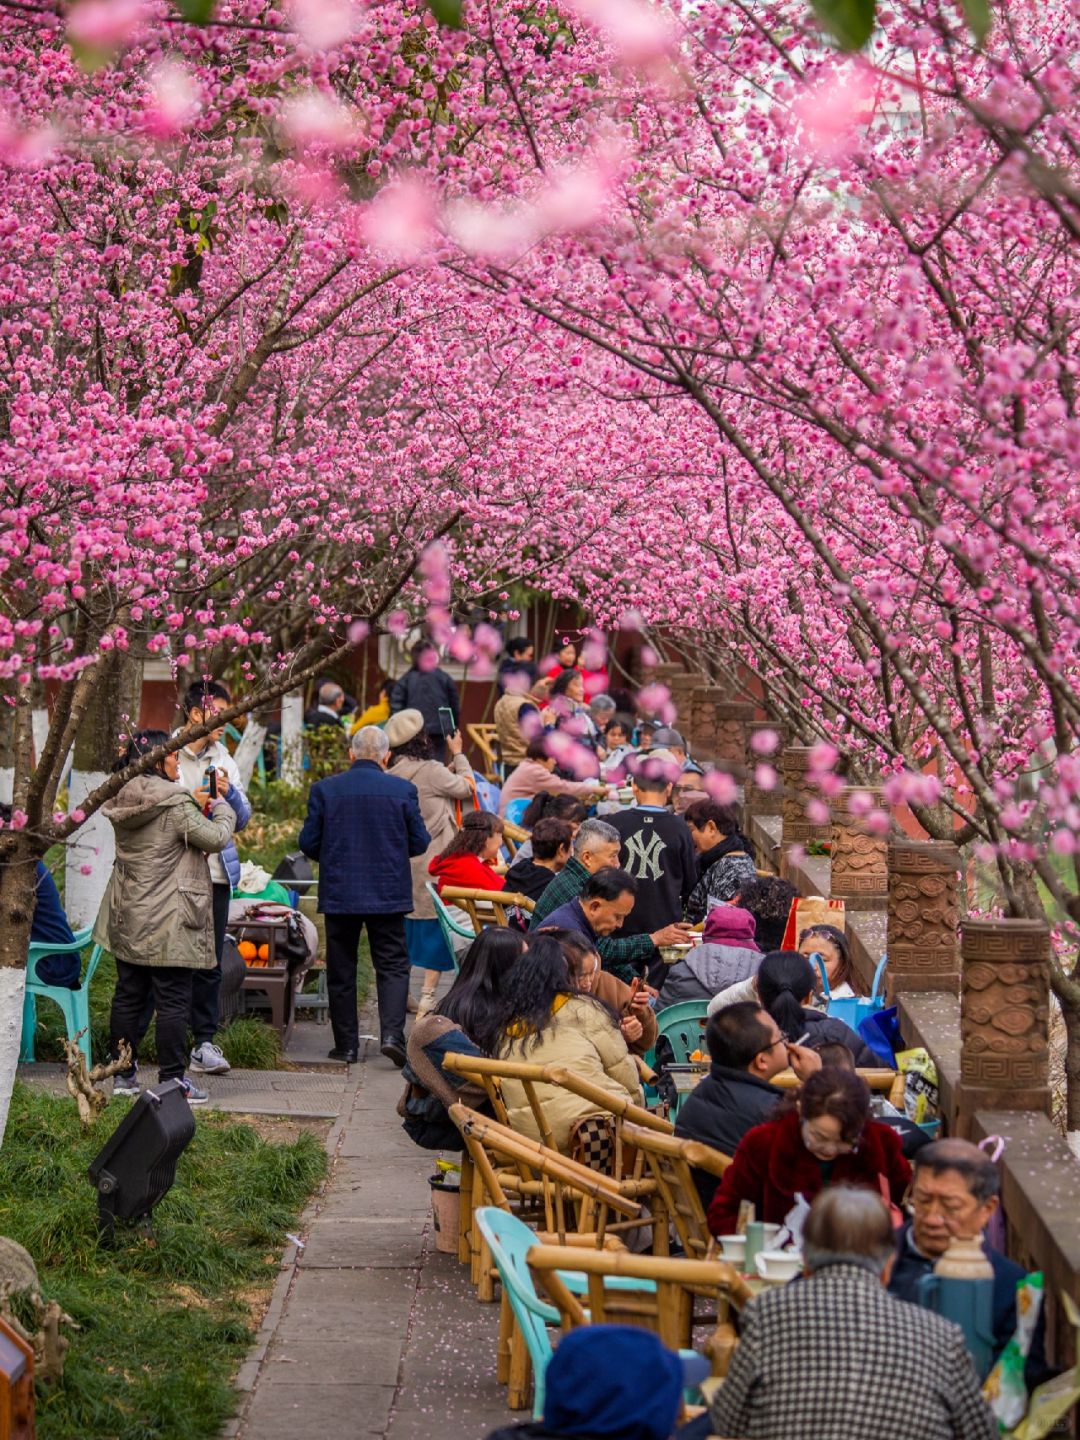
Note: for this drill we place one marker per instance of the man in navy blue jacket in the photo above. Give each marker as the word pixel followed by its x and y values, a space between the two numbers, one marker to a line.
pixel 363 827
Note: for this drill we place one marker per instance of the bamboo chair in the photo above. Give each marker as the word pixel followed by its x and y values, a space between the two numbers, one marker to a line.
pixel 628 1168
pixel 548 1184
pixel 669 1310
pixel 514 836
pixel 890 1081
pixel 671 1161
pixel 483 737
pixel 485 907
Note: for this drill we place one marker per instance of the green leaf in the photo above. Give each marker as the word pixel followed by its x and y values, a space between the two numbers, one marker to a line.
pixel 447 12
pixel 977 14
pixel 198 12
pixel 849 22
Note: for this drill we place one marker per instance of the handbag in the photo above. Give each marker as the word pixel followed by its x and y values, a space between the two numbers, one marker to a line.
pixel 807 910
pixel 853 1009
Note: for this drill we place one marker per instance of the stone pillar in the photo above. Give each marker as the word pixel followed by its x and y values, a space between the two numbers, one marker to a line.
pixel 682 687
pixel 732 719
pixel 923 947
pixel 860 859
pixel 702 734
pixel 763 802
pixel 1004 1017
pixel 798 828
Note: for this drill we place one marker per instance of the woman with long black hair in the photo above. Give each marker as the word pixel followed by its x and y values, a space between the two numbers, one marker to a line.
pixel 467 1021
pixel 785 986
pixel 550 1020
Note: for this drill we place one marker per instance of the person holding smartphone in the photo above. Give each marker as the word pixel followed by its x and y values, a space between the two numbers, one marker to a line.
pixel 428 688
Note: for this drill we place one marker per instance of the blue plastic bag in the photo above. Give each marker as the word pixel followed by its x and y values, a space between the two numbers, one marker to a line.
pixel 853 1009
pixel 881 1031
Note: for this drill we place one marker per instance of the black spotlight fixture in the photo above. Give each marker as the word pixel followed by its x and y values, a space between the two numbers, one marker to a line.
pixel 137 1166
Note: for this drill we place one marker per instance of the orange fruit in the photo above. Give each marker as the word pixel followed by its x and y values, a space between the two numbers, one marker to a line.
pixel 247 950
pixel 264 953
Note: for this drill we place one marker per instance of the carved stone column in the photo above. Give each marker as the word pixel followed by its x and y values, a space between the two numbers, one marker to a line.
pixel 682 687
pixel 860 859
pixel 763 802
pixel 703 706
pixel 923 944
pixel 1004 1017
pixel 732 719
pixel 798 828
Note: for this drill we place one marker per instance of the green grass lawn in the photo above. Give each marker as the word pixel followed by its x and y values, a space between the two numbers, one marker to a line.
pixel 164 1322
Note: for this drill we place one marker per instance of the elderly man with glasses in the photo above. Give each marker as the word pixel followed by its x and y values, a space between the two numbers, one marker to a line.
pixel 954 1194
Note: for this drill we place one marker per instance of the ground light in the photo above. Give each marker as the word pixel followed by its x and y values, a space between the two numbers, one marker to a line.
pixel 137 1166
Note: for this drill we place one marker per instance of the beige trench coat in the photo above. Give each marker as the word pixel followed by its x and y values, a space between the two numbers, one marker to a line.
pixel 158 907
pixel 440 788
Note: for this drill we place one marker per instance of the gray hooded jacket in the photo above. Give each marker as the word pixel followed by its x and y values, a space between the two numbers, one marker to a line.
pixel 158 908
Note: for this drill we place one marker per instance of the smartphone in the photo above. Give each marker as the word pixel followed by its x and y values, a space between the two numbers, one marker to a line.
pixel 211 780
pixel 446 722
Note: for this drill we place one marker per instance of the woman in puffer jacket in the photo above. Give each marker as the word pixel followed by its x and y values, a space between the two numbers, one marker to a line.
pixel 156 917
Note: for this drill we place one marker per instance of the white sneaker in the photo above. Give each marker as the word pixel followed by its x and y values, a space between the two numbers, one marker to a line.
pixel 207 1059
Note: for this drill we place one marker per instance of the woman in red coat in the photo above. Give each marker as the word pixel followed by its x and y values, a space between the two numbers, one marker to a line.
pixel 468 859
pixel 825 1138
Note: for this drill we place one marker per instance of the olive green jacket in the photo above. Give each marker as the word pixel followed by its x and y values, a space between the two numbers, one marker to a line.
pixel 158 908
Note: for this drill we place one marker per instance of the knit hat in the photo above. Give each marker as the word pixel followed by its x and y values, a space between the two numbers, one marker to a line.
pixel 401 727
pixel 617 1381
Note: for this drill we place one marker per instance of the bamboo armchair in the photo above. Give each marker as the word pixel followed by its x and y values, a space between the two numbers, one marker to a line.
pixel 669 1310
pixel 889 1081
pixel 551 1185
pixel 485 907
pixel 670 1161
pixel 514 836
pixel 483 737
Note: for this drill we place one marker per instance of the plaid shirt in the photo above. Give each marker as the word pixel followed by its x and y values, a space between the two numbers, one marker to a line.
pixel 835 1357
pixel 624 955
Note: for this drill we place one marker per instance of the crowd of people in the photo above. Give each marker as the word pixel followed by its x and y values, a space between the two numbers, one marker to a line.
pixel 613 885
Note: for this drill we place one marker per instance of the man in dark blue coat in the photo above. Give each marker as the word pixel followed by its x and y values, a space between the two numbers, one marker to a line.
pixel 955 1193
pixel 363 827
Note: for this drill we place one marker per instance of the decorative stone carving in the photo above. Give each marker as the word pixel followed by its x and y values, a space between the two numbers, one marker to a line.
pixel 798 828
pixel 682 686
pixel 1004 1015
pixel 860 859
pixel 923 915
pixel 703 707
pixel 731 719
pixel 763 802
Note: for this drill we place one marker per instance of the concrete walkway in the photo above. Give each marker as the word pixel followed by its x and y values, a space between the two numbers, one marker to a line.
pixel 370 1331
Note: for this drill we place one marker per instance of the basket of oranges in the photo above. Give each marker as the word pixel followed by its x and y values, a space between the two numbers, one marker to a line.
pixel 257 946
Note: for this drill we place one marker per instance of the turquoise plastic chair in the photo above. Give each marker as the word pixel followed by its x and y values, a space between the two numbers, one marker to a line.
pixel 75 1004
pixel 516 809
pixel 509 1239
pixel 447 924
pixel 680 1024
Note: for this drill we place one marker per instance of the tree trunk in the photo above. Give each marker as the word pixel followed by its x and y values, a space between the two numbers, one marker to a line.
pixel 91 849
pixel 18 887
pixel 291 761
pixel 247 752
pixel 7 744
pixel 1070 1009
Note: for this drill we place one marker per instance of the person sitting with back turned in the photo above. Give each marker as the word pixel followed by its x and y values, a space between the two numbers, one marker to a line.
pixel 835 1357
pixel 611 1382
pixel 727 955
pixel 363 827
pixel 954 1194
pixel 551 842
pixel 747 1049
pixel 330 707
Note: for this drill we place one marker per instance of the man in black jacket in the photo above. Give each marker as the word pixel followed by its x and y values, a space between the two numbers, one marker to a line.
pixel 427 688
pixel 747 1049
pixel 657 850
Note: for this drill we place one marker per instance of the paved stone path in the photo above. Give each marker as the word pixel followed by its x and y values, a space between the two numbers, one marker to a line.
pixel 370 1331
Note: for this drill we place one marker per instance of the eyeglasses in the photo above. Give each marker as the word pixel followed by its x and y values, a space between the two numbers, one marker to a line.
pixel 768 1048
